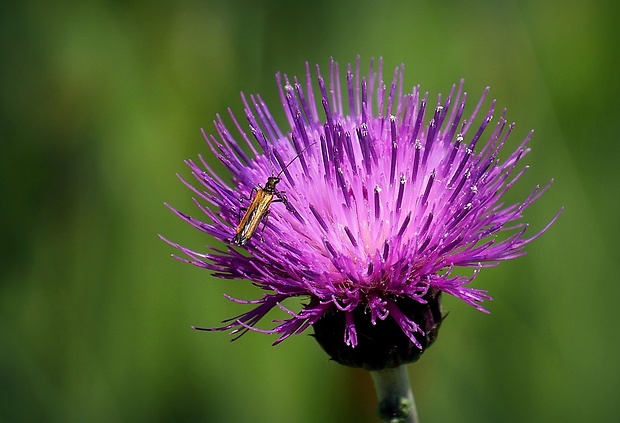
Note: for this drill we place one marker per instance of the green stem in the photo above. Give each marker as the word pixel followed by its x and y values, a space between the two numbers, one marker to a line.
pixel 396 404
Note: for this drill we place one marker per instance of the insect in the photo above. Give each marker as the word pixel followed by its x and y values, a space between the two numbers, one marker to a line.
pixel 262 197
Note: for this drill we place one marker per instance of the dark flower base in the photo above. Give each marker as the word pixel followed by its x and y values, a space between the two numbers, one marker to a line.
pixel 383 345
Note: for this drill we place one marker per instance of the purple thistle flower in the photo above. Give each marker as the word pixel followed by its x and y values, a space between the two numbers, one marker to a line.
pixel 384 203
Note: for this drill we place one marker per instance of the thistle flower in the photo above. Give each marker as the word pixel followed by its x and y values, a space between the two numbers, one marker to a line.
pixel 389 198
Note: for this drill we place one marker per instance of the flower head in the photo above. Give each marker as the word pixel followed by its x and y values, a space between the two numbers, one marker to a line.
pixel 385 198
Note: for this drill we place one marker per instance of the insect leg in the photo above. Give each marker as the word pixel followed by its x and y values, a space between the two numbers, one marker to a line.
pixel 265 217
pixel 243 198
pixel 241 210
pixel 281 198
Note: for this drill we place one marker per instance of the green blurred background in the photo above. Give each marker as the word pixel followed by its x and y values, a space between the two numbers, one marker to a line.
pixel 102 101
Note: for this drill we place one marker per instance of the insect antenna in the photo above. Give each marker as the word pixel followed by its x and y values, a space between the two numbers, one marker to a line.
pixel 272 158
pixel 294 158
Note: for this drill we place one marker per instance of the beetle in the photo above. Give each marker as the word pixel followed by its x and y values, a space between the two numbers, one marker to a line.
pixel 262 197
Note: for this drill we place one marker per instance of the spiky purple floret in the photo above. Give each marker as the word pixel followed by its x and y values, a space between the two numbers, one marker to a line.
pixel 386 204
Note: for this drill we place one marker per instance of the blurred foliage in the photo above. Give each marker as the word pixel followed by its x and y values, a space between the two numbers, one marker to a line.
pixel 100 103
